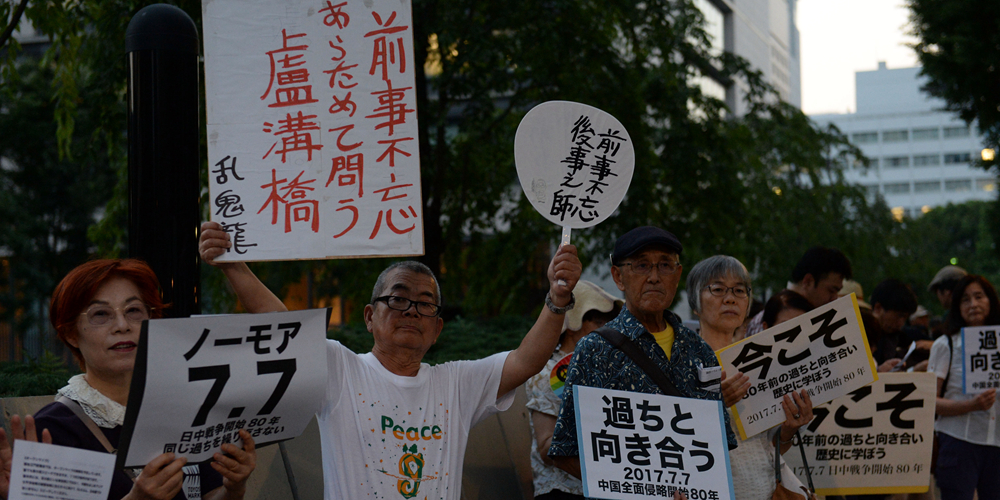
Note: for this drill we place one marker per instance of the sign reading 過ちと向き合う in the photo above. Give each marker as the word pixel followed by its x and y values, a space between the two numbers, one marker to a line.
pixel 312 128
pixel 980 359
pixel 651 445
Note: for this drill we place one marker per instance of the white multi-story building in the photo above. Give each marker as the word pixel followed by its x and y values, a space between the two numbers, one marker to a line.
pixel 761 31
pixel 921 157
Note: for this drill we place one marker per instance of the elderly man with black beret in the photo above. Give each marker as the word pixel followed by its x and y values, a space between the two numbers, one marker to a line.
pixel 645 265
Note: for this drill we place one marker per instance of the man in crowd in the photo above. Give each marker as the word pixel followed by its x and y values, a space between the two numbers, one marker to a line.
pixel 944 281
pixel 818 276
pixel 645 266
pixel 892 303
pixel 390 425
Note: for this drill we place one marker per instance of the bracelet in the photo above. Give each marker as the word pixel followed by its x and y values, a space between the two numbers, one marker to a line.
pixel 559 310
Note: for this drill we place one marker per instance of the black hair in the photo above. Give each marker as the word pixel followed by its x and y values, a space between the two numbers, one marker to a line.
pixel 785 299
pixel 821 261
pixel 894 295
pixel 602 317
pixel 955 320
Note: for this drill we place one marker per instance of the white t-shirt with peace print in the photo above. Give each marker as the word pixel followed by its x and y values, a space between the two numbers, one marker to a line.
pixel 386 436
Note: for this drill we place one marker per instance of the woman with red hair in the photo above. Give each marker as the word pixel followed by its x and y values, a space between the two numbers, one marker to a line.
pixel 97 310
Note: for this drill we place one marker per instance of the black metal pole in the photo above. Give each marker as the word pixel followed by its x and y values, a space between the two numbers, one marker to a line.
pixel 163 137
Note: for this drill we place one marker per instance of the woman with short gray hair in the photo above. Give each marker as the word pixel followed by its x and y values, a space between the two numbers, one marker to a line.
pixel 719 293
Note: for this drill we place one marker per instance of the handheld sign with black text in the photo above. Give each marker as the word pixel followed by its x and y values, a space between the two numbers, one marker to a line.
pixel 875 440
pixel 636 444
pixel 198 381
pixel 824 351
pixel 980 359
pixel 574 162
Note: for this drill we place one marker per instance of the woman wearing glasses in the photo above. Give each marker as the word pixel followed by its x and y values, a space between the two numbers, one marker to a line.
pixel 967 429
pixel 718 291
pixel 97 311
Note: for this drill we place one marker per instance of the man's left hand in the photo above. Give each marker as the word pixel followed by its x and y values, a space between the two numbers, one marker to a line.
pixel 564 272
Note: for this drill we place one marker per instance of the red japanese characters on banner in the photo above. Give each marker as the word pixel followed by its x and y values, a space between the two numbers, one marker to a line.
pixel 317 100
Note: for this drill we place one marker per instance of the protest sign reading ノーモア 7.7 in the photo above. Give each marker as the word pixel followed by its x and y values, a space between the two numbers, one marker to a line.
pixel 198 381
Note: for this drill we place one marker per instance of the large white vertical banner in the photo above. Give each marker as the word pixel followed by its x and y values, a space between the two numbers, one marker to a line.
pixel 312 128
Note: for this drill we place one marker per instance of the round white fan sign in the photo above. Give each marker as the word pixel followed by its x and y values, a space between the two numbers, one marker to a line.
pixel 574 161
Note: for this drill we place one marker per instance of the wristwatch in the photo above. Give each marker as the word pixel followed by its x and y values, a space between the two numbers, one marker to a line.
pixel 560 310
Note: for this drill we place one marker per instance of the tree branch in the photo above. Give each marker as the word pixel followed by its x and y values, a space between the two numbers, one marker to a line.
pixel 9 31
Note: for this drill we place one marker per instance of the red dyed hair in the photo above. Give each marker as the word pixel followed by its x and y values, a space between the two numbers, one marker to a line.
pixel 75 292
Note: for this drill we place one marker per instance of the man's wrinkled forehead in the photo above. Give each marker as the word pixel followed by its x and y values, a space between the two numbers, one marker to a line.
pixel 411 284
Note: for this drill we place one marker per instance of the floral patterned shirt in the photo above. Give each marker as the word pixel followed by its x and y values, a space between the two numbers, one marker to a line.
pixel 596 363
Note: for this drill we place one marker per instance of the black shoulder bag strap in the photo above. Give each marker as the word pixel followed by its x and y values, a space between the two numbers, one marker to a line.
pixel 89 422
pixel 627 346
pixel 951 351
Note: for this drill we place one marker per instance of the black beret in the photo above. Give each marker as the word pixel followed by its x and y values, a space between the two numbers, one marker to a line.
pixel 634 240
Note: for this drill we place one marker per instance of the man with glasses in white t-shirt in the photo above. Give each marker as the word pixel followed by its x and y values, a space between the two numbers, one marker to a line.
pixel 391 426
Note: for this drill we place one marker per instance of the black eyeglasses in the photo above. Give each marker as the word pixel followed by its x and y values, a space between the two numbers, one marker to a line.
pixel 739 291
pixel 404 304
pixel 644 267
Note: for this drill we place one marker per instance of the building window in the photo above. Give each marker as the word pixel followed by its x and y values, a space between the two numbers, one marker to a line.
pixel 956 158
pixel 710 87
pixel 925 134
pixel 927 187
pixel 896 188
pixel 864 137
pixel 926 160
pixel 958 185
pixel 714 26
pixel 895 136
pixel 955 132
pixel 896 161
pixel 988 185
pixel 871 191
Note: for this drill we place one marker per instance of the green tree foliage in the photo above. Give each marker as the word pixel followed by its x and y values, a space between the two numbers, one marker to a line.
pixel 959 49
pixel 762 187
pixel 47 201
pixel 962 232
pixel 709 177
pixel 39 377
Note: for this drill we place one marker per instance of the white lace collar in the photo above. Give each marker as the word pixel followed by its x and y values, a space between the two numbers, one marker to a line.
pixel 101 409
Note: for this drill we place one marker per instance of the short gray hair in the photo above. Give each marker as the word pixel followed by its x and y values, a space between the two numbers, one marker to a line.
pixel 406 265
pixel 711 269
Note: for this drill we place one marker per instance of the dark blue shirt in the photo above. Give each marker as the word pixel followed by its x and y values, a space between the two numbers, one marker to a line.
pixel 67 430
pixel 596 363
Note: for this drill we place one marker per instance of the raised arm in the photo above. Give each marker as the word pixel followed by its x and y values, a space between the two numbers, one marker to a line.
pixel 254 296
pixel 537 346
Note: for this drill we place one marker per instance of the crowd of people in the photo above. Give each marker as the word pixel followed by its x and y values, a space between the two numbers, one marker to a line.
pixel 583 336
